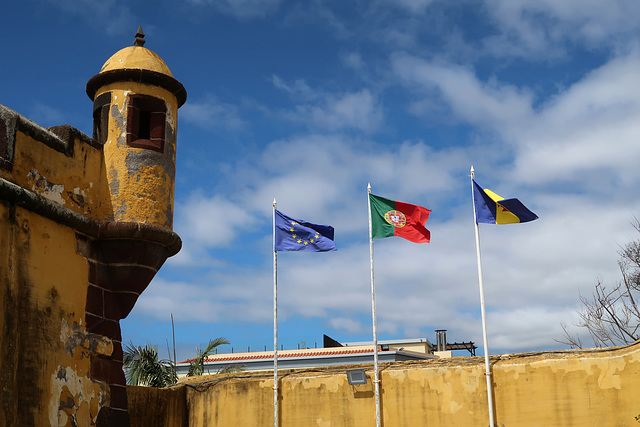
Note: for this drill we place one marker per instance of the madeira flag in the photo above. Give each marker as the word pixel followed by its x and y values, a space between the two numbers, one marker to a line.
pixel 493 209
pixel 393 218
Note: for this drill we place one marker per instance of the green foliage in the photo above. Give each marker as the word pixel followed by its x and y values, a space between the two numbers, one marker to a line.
pixel 142 367
pixel 196 366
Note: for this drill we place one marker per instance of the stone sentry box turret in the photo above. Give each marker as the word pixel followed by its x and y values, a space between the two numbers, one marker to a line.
pixel 85 222
pixel 136 101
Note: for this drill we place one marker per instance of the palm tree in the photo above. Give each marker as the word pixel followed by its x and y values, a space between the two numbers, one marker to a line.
pixel 142 367
pixel 196 366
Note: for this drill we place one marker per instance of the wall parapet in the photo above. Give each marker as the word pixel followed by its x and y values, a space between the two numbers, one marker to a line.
pixel 19 196
pixel 59 138
pixel 569 388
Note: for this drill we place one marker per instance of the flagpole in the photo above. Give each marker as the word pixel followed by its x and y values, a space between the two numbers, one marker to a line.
pixel 482 310
pixel 275 321
pixel 376 380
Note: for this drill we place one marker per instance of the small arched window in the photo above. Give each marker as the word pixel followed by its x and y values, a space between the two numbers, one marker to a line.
pixel 146 117
pixel 101 117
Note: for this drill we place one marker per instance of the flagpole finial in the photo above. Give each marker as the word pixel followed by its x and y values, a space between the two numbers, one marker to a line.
pixel 274 202
pixel 473 173
pixel 369 187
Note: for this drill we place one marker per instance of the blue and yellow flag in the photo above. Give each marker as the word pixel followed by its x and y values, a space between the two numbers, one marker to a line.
pixel 297 235
pixel 493 209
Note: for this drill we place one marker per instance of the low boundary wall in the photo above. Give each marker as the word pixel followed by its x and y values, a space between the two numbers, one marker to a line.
pixel 597 387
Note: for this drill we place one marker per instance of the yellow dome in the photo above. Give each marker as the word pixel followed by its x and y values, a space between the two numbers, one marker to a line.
pixel 137 64
pixel 136 57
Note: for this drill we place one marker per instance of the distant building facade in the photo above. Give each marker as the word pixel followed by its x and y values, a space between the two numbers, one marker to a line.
pixel 305 358
pixel 333 353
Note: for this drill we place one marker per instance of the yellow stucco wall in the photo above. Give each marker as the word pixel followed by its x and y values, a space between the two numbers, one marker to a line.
pixel 558 389
pixel 56 213
pixel 84 225
pixel 157 407
pixel 141 181
pixel 45 348
pixel 77 182
pixel 600 388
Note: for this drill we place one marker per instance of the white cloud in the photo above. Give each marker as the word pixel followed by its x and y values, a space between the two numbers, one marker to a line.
pixel 310 177
pixel 212 297
pixel 413 5
pixel 243 9
pixel 570 158
pixel 588 134
pixel 536 28
pixel 315 174
pixel 533 324
pixel 204 222
pixel 212 113
pixel 185 301
pixel 348 325
pixel 533 272
pixel 299 89
pixel 211 220
pixel 360 110
pixel 533 276
pixel 353 60
pixel 484 104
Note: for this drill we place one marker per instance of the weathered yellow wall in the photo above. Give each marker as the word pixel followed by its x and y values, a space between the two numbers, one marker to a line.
pixel 45 348
pixel 157 407
pixel 77 182
pixel 571 389
pixel 56 218
pixel 141 181
pixel 84 226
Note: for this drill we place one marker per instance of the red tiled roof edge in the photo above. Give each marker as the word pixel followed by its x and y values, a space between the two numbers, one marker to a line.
pixel 285 355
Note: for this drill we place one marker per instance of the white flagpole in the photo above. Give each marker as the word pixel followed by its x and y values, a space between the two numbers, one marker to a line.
pixel 275 321
pixel 484 320
pixel 376 380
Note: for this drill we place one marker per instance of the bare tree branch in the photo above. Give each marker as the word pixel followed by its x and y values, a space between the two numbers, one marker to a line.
pixel 612 316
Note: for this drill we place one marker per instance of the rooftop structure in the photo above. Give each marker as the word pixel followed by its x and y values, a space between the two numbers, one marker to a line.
pixel 303 358
pixel 333 353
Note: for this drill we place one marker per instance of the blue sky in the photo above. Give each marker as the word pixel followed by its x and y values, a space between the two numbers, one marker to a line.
pixel 307 102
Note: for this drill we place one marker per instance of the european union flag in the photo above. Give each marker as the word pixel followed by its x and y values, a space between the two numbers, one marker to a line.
pixel 297 235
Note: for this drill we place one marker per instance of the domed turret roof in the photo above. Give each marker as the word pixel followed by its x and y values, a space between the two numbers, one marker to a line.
pixel 136 57
pixel 137 64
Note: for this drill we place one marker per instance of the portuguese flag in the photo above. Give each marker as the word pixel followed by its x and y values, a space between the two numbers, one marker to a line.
pixel 393 218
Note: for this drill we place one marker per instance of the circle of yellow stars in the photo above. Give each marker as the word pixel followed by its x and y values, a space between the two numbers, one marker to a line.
pixel 298 239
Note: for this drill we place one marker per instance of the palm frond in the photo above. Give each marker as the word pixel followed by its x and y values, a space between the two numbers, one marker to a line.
pixel 196 366
pixel 142 367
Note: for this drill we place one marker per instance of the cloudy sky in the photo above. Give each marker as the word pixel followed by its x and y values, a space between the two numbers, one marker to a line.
pixel 307 102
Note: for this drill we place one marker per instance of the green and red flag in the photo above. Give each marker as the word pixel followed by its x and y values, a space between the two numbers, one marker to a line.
pixel 394 218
